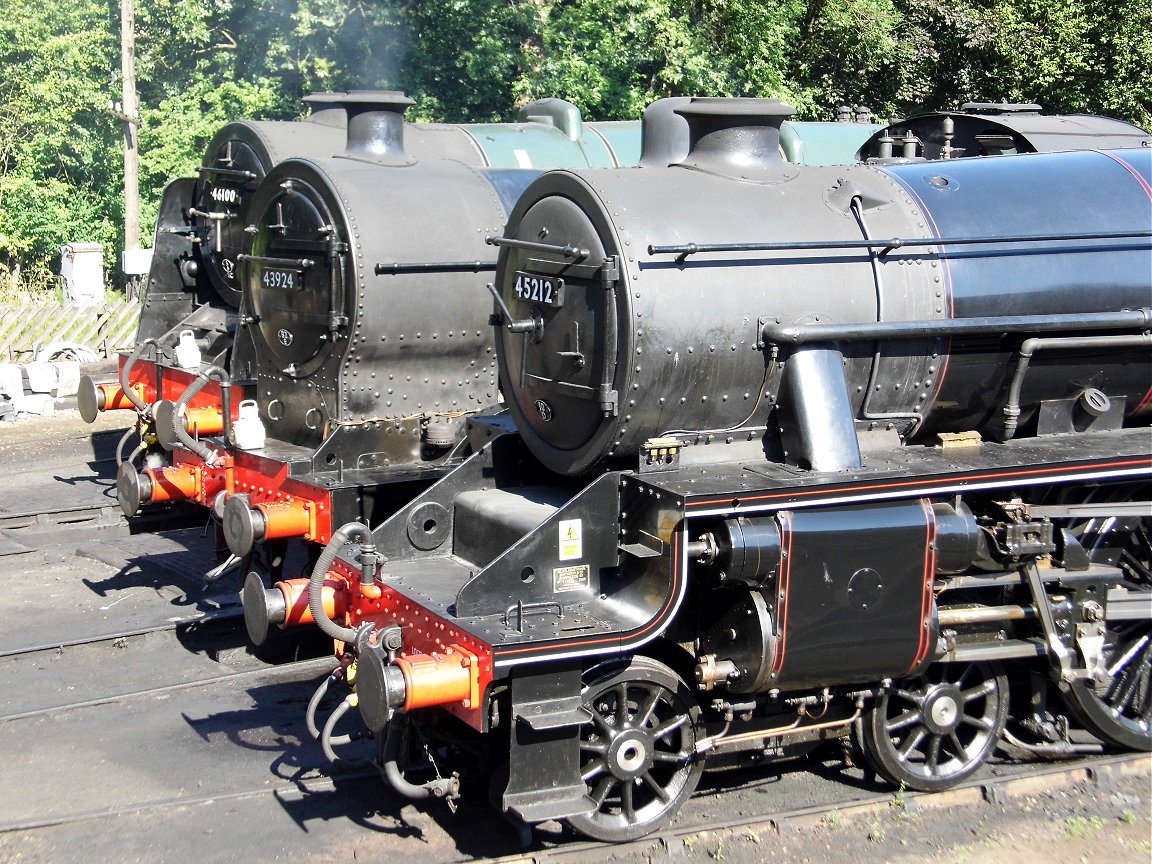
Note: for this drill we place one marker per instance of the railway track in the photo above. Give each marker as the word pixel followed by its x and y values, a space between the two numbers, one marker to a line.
pixel 51 525
pixel 298 787
pixel 318 664
pixel 224 615
pixel 1098 773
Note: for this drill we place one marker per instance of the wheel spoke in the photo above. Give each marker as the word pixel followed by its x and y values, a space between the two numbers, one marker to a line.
pixel 658 790
pixel 957 747
pixel 911 743
pixel 979 691
pixel 593 769
pixel 904 720
pixel 627 802
pixel 671 725
pixel 915 698
pixel 1127 657
pixel 1145 710
pixel 1125 689
pixel 601 721
pixel 648 709
pixel 670 758
pixel 599 747
pixel 932 755
pixel 603 789
pixel 622 705
pixel 1136 567
pixel 981 723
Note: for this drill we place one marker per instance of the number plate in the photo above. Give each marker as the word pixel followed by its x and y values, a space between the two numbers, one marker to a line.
pixel 287 280
pixel 545 290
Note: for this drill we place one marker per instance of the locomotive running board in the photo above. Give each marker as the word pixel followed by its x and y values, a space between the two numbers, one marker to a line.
pixel 911 472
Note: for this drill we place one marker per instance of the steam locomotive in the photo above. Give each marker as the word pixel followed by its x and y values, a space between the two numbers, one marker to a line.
pixel 998 129
pixel 182 401
pixel 190 300
pixel 791 454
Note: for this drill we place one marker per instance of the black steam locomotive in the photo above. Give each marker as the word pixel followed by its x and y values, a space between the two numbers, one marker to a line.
pixel 190 300
pixel 998 129
pixel 185 404
pixel 790 454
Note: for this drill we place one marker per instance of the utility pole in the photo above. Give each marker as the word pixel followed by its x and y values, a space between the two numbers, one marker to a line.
pixel 129 113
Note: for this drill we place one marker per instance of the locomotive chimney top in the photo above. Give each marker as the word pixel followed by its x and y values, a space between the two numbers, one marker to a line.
pixel 734 137
pixel 376 125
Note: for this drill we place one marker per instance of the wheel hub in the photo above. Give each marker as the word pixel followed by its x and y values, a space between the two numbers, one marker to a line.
pixel 629 754
pixel 942 709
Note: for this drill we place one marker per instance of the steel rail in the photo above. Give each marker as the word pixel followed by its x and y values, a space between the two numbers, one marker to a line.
pixel 992 789
pixel 320 663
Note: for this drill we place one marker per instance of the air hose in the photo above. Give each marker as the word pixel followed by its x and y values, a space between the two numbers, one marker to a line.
pixel 441 787
pixel 352 532
pixel 212 373
pixel 125 386
pixel 136 451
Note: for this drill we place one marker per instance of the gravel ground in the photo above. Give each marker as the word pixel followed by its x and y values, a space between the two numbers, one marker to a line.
pixel 1109 821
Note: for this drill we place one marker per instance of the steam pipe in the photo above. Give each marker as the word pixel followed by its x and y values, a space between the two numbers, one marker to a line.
pixel 1031 346
pixel 686 249
pixel 800 334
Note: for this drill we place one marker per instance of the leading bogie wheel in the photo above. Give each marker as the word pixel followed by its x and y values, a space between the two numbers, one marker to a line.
pixel 931 732
pixel 638 752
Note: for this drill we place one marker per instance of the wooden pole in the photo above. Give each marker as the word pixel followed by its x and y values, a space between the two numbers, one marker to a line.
pixel 129 114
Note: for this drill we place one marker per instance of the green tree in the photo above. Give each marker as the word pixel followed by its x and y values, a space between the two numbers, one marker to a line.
pixel 57 141
pixel 201 63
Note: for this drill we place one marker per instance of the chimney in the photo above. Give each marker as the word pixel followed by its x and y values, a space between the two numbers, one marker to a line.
pixel 735 137
pixel 376 125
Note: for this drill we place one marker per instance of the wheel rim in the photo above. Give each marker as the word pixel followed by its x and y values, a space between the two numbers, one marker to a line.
pixel 1119 710
pixel 933 731
pixel 638 752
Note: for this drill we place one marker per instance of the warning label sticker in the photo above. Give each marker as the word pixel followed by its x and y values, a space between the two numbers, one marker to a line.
pixel 570 578
pixel 571 540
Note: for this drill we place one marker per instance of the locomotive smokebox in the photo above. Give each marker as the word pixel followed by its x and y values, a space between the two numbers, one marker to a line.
pixel 734 136
pixel 376 125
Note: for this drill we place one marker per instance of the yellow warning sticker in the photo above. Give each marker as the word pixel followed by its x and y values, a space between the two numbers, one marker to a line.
pixel 571 540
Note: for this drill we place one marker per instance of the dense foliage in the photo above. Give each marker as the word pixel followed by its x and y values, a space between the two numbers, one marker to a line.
pixel 202 62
